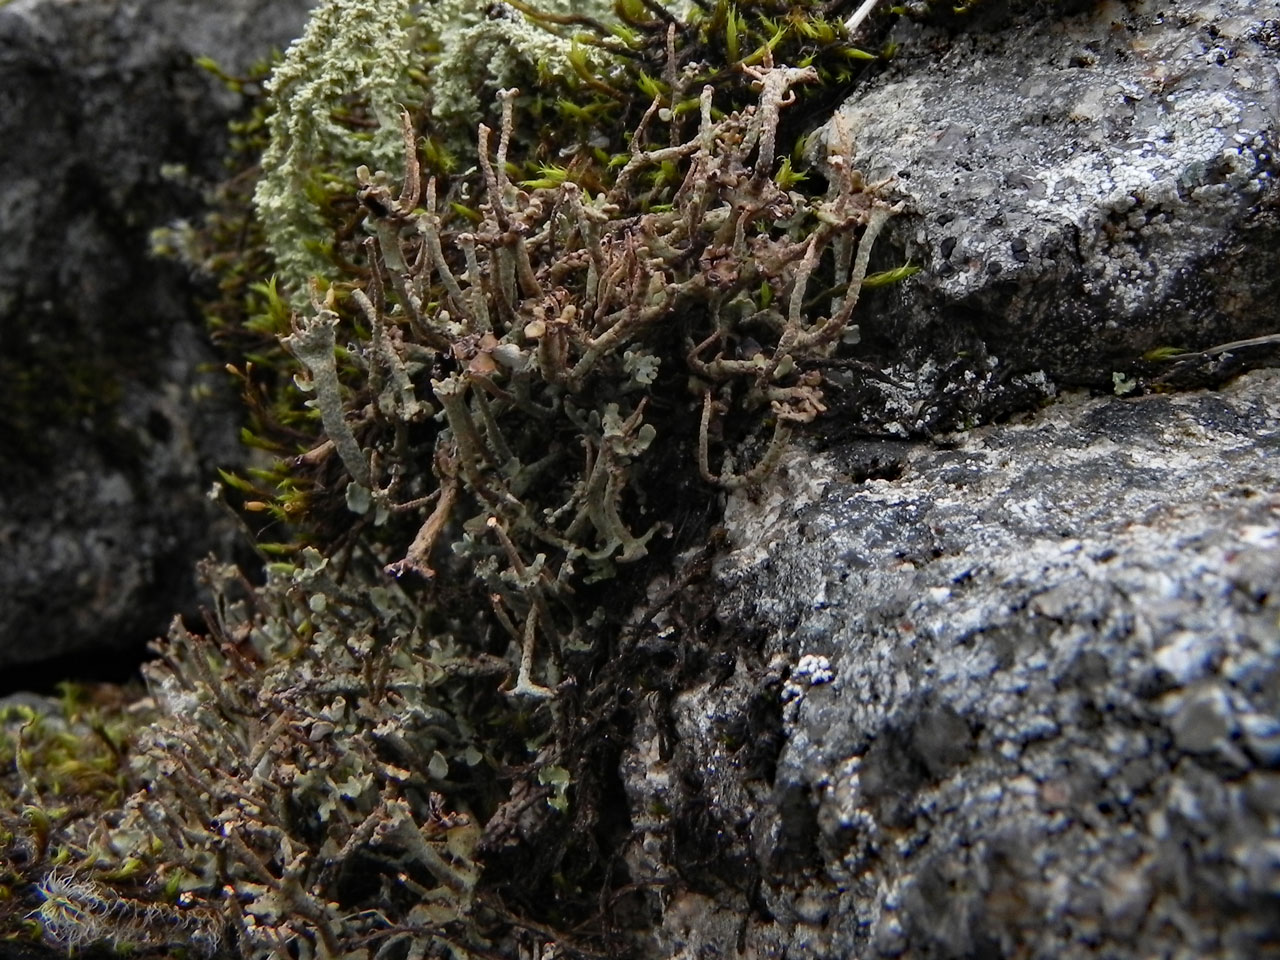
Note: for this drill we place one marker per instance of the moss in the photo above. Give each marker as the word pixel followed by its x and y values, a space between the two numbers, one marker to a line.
pixel 63 763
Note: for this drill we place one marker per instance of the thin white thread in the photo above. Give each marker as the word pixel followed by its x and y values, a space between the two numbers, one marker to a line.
pixel 77 912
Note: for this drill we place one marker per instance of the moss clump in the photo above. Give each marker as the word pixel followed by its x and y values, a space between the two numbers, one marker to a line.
pixel 63 763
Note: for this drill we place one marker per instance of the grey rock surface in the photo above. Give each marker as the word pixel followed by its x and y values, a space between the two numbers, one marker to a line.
pixel 1023 696
pixel 108 427
pixel 1080 190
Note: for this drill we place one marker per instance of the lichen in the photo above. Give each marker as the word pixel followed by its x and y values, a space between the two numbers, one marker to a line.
pixel 353 54
pixel 299 761
pixel 483 49
pixel 490 381
pixel 335 106
pixel 525 339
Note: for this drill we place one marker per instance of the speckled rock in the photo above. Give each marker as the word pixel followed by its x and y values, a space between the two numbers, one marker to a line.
pixel 1080 189
pixel 1018 697
pixel 108 427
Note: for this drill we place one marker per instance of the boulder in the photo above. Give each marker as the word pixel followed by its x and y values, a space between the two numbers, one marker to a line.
pixel 1079 191
pixel 1016 695
pixel 111 421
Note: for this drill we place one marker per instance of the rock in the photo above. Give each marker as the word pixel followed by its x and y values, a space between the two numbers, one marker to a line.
pixel 110 423
pixel 1024 695
pixel 1080 191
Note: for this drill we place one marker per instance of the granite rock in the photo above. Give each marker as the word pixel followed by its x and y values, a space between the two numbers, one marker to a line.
pixel 1010 691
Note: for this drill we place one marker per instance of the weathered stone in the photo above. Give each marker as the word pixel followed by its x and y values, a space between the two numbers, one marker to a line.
pixel 109 425
pixel 1080 190
pixel 1038 651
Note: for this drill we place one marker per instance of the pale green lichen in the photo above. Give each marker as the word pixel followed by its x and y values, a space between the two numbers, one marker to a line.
pixel 325 74
pixel 452 53
pixel 292 774
pixel 483 48
pixel 312 342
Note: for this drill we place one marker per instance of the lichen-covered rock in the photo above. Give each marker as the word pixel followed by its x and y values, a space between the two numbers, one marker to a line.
pixel 1014 694
pixel 1022 695
pixel 1082 190
pixel 109 130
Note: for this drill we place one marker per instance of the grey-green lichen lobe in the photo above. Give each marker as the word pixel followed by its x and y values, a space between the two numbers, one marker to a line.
pixel 483 48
